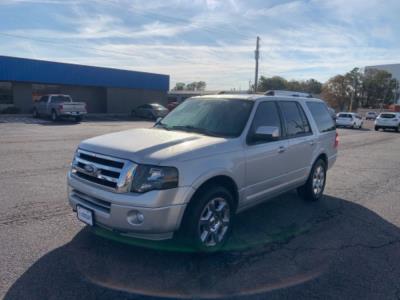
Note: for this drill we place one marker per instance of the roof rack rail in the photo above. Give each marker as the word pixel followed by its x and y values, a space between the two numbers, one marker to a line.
pixel 287 93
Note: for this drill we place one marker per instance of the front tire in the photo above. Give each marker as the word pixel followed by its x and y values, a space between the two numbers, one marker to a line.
pixel 208 220
pixel 313 189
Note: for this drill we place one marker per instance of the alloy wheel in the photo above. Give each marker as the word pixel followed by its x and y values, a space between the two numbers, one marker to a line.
pixel 214 222
pixel 318 180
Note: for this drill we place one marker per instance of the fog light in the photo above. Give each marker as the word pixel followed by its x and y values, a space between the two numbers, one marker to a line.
pixel 135 217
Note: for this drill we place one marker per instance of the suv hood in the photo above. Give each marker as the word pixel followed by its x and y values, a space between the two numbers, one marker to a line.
pixel 155 145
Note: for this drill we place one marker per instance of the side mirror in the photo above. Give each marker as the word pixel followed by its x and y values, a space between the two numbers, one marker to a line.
pixel 266 133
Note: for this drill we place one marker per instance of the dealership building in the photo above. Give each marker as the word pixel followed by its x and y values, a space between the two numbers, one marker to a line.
pixel 105 90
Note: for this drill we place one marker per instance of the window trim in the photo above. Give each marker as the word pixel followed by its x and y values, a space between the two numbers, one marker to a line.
pixel 288 137
pixel 249 131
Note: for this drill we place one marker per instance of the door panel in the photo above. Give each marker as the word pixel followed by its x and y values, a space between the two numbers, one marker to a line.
pixel 266 169
pixel 299 156
pixel 266 166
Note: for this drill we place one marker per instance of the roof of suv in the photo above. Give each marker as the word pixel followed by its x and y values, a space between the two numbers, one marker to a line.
pixel 254 97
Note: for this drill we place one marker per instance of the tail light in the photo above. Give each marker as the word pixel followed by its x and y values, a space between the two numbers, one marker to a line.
pixel 336 140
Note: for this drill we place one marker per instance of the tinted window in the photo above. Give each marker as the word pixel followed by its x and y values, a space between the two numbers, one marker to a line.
pixel 44 99
pixel 306 124
pixel 387 116
pixel 295 124
pixel 321 115
pixel 266 115
pixel 209 116
pixel 346 116
pixel 60 99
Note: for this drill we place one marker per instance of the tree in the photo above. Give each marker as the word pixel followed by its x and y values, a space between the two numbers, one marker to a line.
pixel 193 86
pixel 378 88
pixel 278 83
pixel 272 83
pixel 335 92
pixel 354 80
pixel 179 86
pixel 312 86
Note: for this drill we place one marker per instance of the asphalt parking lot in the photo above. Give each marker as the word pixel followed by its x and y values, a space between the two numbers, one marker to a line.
pixel 347 246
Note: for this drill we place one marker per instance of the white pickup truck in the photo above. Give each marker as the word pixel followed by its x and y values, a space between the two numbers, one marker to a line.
pixel 57 106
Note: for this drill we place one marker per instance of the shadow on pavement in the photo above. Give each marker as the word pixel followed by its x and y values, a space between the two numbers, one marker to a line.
pixel 284 248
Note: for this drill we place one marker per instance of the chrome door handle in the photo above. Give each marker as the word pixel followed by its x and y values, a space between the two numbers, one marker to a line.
pixel 281 149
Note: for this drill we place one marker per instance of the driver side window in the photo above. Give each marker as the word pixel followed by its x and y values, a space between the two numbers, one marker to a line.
pixel 266 115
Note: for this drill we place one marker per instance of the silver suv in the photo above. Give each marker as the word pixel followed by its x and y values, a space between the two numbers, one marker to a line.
pixel 209 159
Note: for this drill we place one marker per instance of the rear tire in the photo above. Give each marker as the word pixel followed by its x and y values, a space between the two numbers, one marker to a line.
pixel 376 128
pixel 54 116
pixel 35 113
pixel 207 222
pixel 313 189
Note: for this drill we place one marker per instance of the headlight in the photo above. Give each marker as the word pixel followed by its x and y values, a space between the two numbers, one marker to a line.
pixel 147 178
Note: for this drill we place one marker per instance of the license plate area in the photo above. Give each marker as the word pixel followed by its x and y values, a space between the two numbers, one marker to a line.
pixel 85 215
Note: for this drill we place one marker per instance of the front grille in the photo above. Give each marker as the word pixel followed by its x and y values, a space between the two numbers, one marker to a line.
pixel 108 172
pixel 90 201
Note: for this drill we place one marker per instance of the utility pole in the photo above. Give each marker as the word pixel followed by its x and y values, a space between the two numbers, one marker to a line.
pixel 257 56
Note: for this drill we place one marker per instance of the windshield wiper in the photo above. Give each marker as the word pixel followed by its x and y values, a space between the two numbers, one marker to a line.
pixel 190 128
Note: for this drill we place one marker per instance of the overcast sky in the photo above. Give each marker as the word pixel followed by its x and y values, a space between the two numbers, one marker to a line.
pixel 207 40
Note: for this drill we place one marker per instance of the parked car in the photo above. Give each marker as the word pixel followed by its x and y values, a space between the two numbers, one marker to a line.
pixel 371 115
pixel 352 120
pixel 58 106
pixel 388 120
pixel 150 111
pixel 206 161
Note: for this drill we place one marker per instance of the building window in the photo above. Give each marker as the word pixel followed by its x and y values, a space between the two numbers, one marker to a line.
pixel 6 95
pixel 38 90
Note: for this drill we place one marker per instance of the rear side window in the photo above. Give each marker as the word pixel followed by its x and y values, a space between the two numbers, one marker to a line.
pixel 266 115
pixel 388 116
pixel 347 116
pixel 321 115
pixel 60 99
pixel 44 99
pixel 295 120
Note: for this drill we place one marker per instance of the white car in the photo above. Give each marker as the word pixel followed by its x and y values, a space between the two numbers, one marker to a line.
pixel 371 115
pixel 347 119
pixel 388 120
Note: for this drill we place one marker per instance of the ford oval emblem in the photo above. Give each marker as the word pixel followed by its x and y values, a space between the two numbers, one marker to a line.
pixel 91 169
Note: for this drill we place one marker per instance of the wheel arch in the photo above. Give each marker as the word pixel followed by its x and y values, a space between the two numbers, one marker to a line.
pixel 220 180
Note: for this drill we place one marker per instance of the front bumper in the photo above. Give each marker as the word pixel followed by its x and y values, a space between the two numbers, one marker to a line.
pixel 162 210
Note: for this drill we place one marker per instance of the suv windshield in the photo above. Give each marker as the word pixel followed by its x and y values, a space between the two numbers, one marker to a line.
pixel 210 116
